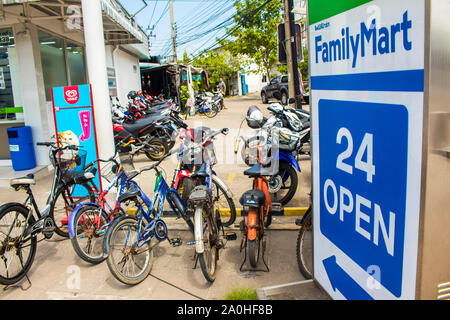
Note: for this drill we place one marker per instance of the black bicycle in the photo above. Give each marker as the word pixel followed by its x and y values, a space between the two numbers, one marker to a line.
pixel 305 243
pixel 20 224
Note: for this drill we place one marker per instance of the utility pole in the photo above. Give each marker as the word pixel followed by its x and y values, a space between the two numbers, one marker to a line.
pixel 174 45
pixel 291 53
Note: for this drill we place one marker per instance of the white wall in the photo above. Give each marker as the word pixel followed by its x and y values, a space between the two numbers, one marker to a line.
pixel 128 74
pixel 254 79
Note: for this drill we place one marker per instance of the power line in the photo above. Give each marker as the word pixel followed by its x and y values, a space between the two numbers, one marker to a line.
pixel 246 17
pixel 166 8
pixel 151 18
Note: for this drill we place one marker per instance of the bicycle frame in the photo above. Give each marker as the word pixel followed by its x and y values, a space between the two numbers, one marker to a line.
pixel 101 203
pixel 259 183
pixel 203 108
pixel 154 206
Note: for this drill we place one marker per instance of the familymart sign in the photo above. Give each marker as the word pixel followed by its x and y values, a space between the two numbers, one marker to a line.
pixel 367 91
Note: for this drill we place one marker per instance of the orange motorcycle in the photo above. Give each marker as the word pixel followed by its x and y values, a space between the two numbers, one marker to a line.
pixel 256 214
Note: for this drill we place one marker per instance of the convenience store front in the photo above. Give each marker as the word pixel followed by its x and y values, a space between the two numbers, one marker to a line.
pixel 42 45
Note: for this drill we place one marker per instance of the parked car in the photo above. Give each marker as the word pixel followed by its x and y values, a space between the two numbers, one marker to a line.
pixel 279 84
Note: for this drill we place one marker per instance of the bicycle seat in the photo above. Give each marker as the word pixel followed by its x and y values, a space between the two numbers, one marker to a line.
pixel 254 171
pixel 253 198
pixel 200 172
pixel 24 181
pixel 84 177
pixel 129 195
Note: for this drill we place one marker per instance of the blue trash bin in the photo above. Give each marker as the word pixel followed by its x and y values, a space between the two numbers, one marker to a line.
pixel 21 148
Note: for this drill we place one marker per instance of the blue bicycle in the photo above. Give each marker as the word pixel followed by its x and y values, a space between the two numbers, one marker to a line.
pixel 88 221
pixel 209 109
pixel 128 241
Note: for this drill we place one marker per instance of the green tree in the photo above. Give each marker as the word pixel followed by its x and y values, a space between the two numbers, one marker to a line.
pixel 255 33
pixel 219 63
pixel 303 66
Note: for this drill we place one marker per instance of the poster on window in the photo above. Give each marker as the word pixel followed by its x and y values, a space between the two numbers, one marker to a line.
pixel 2 80
pixel 73 112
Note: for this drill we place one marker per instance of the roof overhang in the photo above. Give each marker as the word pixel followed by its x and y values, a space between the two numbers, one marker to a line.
pixel 119 26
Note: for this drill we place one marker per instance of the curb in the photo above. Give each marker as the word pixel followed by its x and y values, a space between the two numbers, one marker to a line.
pixel 290 211
pixel 293 211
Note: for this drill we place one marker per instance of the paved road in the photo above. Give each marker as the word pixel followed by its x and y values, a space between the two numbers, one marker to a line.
pixel 58 273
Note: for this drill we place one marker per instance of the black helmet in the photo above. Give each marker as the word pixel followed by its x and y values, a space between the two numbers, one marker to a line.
pixel 132 95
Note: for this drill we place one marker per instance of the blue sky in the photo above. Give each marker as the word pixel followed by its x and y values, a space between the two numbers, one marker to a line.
pixel 188 13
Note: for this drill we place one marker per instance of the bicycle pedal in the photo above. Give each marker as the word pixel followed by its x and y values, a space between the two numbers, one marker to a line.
pixel 231 236
pixel 276 207
pixel 48 232
pixel 176 242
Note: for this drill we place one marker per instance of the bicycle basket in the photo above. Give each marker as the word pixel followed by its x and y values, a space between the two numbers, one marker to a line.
pixel 210 153
pixel 70 160
pixel 109 171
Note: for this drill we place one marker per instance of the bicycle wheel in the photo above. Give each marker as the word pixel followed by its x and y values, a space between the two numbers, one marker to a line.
pixel 67 198
pixel 16 254
pixel 224 204
pixel 305 246
pixel 208 258
pixel 90 225
pixel 212 112
pixel 253 251
pixel 130 260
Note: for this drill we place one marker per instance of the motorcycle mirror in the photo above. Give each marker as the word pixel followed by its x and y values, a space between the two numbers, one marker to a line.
pixel 291 100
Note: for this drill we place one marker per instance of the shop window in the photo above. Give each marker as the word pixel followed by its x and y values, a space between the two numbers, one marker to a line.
pixel 63 62
pixel 10 98
pixel 53 62
pixel 75 58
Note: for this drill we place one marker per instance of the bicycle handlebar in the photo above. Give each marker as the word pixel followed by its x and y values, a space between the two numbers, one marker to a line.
pixel 101 160
pixel 139 171
pixel 55 146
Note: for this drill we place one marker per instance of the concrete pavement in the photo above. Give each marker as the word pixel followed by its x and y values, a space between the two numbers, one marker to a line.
pixel 58 273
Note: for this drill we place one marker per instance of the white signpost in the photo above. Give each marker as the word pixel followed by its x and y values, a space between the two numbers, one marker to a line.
pixel 367 90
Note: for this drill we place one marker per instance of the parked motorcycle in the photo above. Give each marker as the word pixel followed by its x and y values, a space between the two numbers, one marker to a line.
pixel 139 137
pixel 279 146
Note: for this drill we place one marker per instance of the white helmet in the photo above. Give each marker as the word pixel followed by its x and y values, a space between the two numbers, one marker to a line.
pixel 254 117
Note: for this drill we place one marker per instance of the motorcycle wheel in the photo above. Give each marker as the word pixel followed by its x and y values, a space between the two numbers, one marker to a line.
pixel 288 180
pixel 156 149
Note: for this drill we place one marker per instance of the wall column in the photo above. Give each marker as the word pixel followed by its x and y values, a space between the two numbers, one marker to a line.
pixel 32 87
pixel 96 67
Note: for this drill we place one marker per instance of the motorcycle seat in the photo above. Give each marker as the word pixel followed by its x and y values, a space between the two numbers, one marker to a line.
pixel 254 171
pixel 139 124
pixel 253 198
pixel 200 172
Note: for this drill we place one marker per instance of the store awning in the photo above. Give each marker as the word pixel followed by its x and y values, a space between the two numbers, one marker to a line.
pixel 115 12
pixel 16 1
pixel 119 26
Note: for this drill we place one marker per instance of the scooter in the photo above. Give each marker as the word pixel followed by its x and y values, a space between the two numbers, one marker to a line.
pixel 278 155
